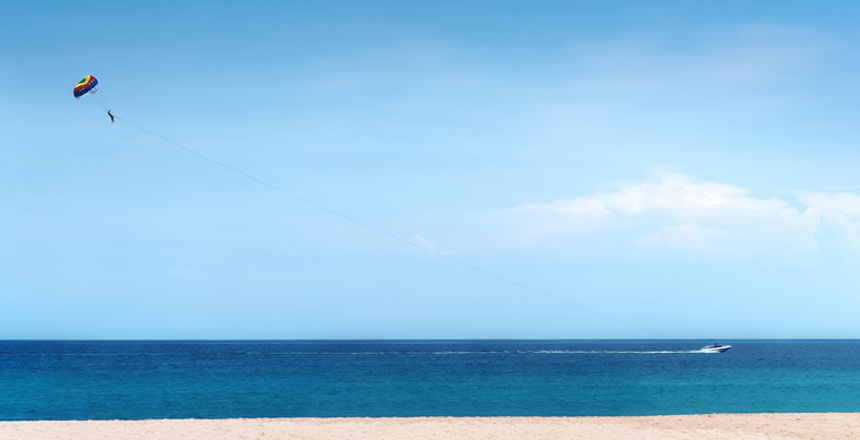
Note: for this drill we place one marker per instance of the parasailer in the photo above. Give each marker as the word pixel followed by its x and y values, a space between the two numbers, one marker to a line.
pixel 90 85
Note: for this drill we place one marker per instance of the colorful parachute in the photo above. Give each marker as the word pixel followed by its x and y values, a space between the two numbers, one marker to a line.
pixel 87 85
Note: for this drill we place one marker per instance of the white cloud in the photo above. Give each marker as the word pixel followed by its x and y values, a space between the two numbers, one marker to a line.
pixel 581 214
pixel 680 213
pixel 420 240
pixel 689 236
pixel 840 217
pixel 845 202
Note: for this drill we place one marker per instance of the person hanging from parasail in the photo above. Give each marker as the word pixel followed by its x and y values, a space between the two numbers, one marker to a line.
pixel 90 85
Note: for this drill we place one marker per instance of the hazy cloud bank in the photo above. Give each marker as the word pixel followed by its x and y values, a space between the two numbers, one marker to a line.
pixel 683 215
pixel 671 212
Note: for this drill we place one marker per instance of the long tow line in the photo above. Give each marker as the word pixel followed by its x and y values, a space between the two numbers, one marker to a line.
pixel 388 234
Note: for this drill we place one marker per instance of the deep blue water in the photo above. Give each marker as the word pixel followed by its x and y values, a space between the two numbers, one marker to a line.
pixel 47 380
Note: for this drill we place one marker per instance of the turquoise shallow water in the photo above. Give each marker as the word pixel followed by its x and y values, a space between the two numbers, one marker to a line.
pixel 51 380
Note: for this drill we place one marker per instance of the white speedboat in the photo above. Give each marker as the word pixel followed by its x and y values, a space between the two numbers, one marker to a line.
pixel 716 348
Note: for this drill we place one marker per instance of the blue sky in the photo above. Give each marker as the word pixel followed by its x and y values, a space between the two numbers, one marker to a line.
pixel 690 167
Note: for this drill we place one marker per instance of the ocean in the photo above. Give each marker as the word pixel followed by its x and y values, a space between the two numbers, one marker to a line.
pixel 73 380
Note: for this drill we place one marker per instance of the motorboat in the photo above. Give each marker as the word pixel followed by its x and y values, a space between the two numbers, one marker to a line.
pixel 716 348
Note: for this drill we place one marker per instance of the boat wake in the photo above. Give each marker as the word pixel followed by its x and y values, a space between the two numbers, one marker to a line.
pixel 471 353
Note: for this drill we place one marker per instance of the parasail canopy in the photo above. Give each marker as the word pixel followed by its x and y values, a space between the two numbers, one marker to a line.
pixel 89 84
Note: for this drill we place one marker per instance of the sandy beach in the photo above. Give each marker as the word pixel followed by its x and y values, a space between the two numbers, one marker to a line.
pixel 714 426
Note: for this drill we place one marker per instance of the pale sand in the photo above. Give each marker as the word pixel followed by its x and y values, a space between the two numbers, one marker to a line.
pixel 715 426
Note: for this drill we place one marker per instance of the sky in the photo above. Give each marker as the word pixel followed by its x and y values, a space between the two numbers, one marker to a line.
pixel 689 169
